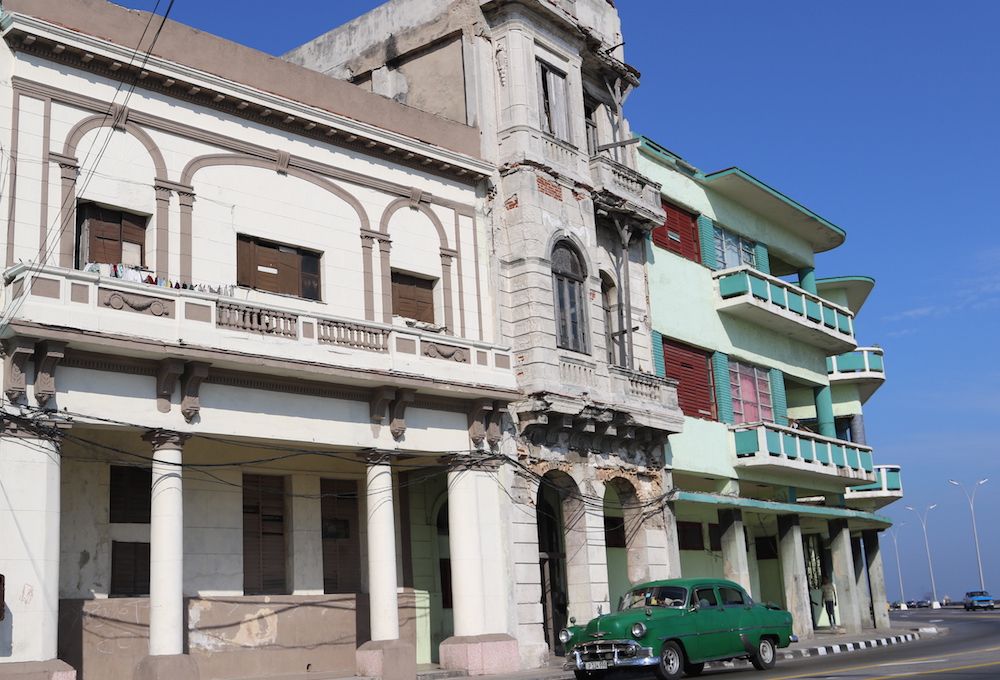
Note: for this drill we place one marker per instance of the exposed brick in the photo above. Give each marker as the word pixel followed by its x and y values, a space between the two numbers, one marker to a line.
pixel 550 188
pixel 511 202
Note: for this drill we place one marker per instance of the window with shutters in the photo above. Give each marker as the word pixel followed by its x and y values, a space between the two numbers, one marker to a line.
pixel 341 536
pixel 679 233
pixel 590 109
pixel 689 536
pixel 692 369
pixel 109 236
pixel 552 101
pixel 129 494
pixel 568 277
pixel 413 297
pixel 129 569
pixel 277 268
pixel 751 388
pixel 732 250
pixel 263 535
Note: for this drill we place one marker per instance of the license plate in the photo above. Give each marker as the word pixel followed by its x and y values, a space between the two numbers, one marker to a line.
pixel 595 665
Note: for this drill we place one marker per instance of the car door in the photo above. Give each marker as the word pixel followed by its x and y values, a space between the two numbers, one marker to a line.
pixel 715 637
pixel 743 617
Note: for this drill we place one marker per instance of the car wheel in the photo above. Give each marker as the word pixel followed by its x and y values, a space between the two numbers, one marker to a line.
pixel 763 658
pixel 671 661
pixel 693 669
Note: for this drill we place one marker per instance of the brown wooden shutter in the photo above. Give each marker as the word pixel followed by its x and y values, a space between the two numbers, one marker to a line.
pixel 130 494
pixel 413 297
pixel 263 535
pixel 679 233
pixel 105 240
pixel 691 368
pixel 341 536
pixel 267 267
pixel 129 569
pixel 246 262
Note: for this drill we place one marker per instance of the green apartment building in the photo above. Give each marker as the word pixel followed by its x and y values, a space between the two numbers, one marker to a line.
pixel 773 483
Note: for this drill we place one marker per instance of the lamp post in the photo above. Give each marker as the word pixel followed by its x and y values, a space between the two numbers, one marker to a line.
pixel 975 534
pixel 923 524
pixel 899 569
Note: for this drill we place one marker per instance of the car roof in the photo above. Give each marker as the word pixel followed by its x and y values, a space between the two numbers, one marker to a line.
pixel 688 583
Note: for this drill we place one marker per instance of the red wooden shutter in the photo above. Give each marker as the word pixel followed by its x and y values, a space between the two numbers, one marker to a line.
pixel 679 233
pixel 691 368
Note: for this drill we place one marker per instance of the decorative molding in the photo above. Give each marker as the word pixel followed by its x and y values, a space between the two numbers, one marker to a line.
pixel 397 412
pixel 166 382
pixel 416 195
pixel 436 350
pixel 194 373
pixel 478 414
pixel 142 304
pixel 281 163
pixel 48 354
pixel 18 350
pixel 494 421
pixel 166 439
pixel 378 401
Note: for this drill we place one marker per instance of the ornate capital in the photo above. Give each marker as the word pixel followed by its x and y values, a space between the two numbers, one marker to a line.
pixel 474 462
pixel 166 439
pixel 194 373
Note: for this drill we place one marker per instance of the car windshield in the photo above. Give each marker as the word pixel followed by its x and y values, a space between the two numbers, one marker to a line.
pixel 979 593
pixel 655 596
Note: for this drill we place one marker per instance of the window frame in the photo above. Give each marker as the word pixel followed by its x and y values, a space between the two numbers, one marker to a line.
pixel 129 569
pixel 570 299
pixel 738 372
pixel 412 293
pixel 747 249
pixel 688 538
pixel 93 239
pixel 553 95
pixel 339 506
pixel 679 232
pixel 268 548
pixel 283 259
pixel 129 494
pixel 692 368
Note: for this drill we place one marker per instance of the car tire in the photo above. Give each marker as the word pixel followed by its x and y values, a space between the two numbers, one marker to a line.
pixel 671 661
pixel 694 669
pixel 763 659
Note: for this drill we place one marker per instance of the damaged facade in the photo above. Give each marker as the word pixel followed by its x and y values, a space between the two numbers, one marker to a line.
pixel 349 360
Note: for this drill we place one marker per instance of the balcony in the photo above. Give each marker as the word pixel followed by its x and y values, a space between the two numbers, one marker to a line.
pixel 772 303
pixel 625 190
pixel 887 488
pixel 774 448
pixel 862 367
pixel 96 313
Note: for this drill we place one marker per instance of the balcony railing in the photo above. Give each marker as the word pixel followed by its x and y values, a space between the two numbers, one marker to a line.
pixel 270 325
pixel 635 192
pixel 770 302
pixel 643 389
pixel 862 367
pixel 887 488
pixel 802 453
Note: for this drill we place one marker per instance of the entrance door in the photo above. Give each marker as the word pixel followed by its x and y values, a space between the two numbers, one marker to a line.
pixel 552 565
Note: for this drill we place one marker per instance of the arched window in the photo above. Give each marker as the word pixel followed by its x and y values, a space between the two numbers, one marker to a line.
pixel 568 277
pixel 614 337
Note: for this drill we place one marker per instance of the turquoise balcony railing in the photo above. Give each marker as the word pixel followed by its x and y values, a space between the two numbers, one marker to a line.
pixel 802 453
pixel 863 367
pixel 888 482
pixel 770 302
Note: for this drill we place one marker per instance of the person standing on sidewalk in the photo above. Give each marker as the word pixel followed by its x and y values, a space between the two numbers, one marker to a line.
pixel 829 599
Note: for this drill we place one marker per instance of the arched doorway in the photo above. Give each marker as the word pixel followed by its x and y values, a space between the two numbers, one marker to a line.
pixel 552 556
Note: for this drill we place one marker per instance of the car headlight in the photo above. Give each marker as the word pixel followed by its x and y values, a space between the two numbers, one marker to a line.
pixel 638 630
pixel 565 636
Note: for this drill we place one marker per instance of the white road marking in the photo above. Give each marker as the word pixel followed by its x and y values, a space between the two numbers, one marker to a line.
pixel 910 663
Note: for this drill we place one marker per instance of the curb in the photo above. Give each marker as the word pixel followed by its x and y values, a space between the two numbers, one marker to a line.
pixel 826 650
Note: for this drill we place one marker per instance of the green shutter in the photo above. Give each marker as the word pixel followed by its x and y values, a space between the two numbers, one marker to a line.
pixel 761 259
pixel 706 235
pixel 658 365
pixel 778 400
pixel 723 393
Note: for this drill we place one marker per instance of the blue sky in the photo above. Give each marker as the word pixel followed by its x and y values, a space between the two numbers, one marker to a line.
pixel 882 118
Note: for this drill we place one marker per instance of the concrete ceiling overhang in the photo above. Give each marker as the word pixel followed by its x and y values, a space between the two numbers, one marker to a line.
pixel 750 192
pixel 856 288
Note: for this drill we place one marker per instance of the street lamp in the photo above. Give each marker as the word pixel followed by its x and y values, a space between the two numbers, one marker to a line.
pixel 975 534
pixel 899 569
pixel 923 524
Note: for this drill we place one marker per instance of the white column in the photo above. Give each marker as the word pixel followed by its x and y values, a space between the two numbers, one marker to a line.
pixel 382 551
pixel 793 570
pixel 734 547
pixel 29 544
pixel 166 546
pixel 843 576
pixel 463 542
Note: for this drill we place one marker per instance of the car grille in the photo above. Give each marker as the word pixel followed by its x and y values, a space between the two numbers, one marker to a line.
pixel 607 650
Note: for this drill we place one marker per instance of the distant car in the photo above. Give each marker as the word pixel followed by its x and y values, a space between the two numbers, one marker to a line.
pixel 674 627
pixel 923 604
pixel 977 599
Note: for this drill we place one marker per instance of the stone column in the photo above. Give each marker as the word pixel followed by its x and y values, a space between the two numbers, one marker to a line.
pixel 385 656
pixel 29 526
pixel 807 280
pixel 824 411
pixel 843 576
pixel 481 645
pixel 586 553
pixel 861 583
pixel 167 619
pixel 793 570
pixel 734 547
pixel 305 536
pixel 876 578
pixel 671 543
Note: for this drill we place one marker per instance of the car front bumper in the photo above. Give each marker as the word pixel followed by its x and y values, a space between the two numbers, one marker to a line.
pixel 605 655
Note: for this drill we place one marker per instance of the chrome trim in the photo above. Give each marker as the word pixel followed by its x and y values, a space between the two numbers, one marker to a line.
pixel 612 652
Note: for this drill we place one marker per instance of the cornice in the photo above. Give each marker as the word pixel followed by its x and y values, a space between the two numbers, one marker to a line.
pixel 88 53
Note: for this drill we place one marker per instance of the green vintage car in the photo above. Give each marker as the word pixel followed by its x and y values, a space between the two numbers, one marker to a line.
pixel 676 626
